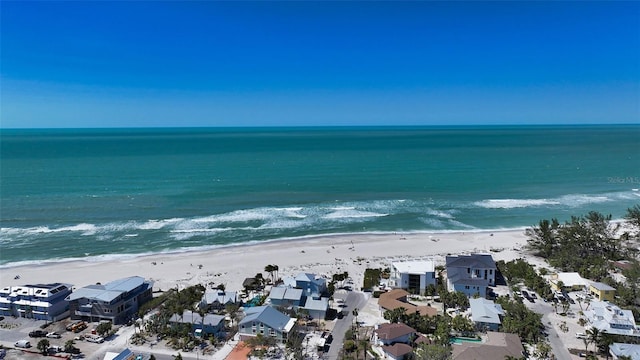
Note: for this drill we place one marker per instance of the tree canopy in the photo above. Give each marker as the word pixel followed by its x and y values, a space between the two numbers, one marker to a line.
pixel 584 244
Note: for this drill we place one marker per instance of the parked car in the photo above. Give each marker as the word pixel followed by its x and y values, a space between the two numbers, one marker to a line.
pixel 94 339
pixel 54 349
pixel 54 335
pixel 37 333
pixel 581 335
pixel 25 344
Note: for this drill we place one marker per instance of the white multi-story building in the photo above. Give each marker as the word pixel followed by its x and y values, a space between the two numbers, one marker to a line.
pixel 413 276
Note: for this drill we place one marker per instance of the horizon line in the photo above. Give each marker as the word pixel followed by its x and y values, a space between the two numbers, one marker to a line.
pixel 408 126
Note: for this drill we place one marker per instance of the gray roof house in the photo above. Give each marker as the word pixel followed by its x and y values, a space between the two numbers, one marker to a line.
pixel 285 296
pixel 302 292
pixel 209 325
pixel 267 321
pixel 470 274
pixel 316 307
pixel 116 301
pixel 311 284
pixel 217 299
pixel 486 314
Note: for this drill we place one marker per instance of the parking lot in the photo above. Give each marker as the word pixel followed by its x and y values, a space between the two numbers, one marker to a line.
pixel 15 329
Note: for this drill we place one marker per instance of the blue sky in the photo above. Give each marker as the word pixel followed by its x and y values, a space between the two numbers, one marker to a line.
pixel 115 64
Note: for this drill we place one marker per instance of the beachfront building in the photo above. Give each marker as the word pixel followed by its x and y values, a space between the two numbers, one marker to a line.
pixel 471 274
pixel 486 314
pixel 609 318
pixel 311 284
pixel 41 301
pixel 389 334
pixel 497 346
pixel 602 292
pixel 302 292
pixel 116 301
pixel 618 350
pixel 413 276
pixel 216 299
pixel 567 281
pixel 292 298
pixel 267 321
pixel 284 296
pixel 397 298
pixel 209 325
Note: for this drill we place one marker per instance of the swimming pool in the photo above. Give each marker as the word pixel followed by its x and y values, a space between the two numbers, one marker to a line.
pixel 460 340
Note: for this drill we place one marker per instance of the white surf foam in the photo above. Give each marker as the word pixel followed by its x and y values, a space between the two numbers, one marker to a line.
pixel 352 214
pixel 440 214
pixel 576 200
pixel 513 203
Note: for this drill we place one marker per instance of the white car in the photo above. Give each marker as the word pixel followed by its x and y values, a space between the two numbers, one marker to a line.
pixel 54 335
pixel 94 339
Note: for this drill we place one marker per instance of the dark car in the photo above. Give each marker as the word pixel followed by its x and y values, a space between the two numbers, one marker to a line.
pixel 37 333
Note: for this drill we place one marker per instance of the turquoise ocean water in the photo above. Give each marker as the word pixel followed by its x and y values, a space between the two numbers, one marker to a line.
pixel 120 192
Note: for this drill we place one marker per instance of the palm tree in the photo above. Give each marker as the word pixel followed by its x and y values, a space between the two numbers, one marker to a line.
pixel 586 344
pixel 594 336
pixel 355 313
pixel 259 278
pixel 272 269
pixel 43 346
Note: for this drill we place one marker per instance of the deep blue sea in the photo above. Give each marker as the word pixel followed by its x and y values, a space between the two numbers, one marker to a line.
pixel 103 193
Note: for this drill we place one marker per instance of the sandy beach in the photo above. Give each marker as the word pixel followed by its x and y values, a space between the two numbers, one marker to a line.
pixel 322 255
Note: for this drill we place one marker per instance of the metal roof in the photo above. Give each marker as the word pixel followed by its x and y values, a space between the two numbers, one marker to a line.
pixel 190 317
pixel 285 293
pixel 316 304
pixel 125 284
pixel 109 291
pixel 277 292
pixel 486 311
pixel 268 316
pixel 223 297
pixel 601 286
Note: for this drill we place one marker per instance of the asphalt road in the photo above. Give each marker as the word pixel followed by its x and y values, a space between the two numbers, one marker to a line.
pixel 557 346
pixel 352 300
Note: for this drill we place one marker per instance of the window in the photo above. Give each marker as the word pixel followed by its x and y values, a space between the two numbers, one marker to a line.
pixel 490 271
pixel 466 287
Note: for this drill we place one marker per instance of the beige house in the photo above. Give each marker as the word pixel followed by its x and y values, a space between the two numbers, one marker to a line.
pixel 602 292
pixel 570 281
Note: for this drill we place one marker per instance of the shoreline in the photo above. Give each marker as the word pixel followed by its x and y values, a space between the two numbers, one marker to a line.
pixel 321 254
pixel 208 248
